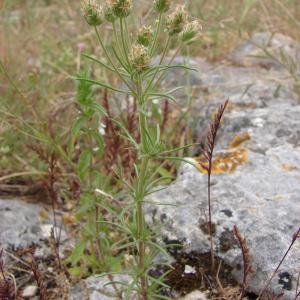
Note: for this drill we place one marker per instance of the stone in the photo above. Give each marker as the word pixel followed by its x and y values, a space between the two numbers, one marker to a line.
pixel 195 295
pixel 47 230
pixel 29 291
pixel 98 287
pixel 255 186
pixel 251 53
pixel 20 225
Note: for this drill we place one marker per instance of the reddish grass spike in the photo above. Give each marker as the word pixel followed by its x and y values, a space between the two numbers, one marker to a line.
pixel 246 259
pixel 208 155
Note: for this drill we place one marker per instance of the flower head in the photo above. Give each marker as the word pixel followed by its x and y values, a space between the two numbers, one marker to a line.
pixel 121 8
pixel 162 6
pixel 92 12
pixel 139 58
pixel 176 20
pixel 108 12
pixel 190 32
pixel 145 36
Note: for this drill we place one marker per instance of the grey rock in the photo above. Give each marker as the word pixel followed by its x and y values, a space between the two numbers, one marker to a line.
pixel 251 53
pixel 247 88
pixel 20 225
pixel 98 288
pixel 259 193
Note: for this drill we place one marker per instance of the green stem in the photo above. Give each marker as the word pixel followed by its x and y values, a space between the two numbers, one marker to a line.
pixel 171 60
pixel 141 225
pixel 141 191
pixel 154 45
pixel 127 35
pixel 160 62
pixel 120 52
pixel 123 34
pixel 112 63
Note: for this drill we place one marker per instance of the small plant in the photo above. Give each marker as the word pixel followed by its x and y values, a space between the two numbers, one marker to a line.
pixel 246 259
pixel 208 153
pixel 130 60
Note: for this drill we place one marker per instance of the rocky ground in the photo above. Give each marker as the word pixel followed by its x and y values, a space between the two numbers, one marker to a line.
pixel 255 181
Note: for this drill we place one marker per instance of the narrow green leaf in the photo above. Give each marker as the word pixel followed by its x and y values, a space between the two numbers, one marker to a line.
pixel 104 85
pixel 99 62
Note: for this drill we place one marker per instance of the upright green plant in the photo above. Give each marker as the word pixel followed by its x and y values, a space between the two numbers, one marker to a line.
pixel 131 61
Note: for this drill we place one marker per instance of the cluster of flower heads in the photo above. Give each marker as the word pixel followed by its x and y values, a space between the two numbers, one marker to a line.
pixel 95 14
pixel 177 23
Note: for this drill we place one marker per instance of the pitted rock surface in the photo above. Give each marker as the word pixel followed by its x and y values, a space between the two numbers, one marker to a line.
pixel 97 288
pixel 20 224
pixel 259 191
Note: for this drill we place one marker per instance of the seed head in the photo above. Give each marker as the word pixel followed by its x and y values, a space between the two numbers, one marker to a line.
pixel 162 6
pixel 121 8
pixel 190 32
pixel 176 20
pixel 145 36
pixel 92 12
pixel 109 13
pixel 139 58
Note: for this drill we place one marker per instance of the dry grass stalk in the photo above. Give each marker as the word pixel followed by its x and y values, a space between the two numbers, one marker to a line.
pixel 247 260
pixel 208 152
pixel 39 278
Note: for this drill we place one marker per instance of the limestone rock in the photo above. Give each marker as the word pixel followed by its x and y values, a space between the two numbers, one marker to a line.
pixel 20 225
pixel 97 288
pixel 257 188
pixel 251 53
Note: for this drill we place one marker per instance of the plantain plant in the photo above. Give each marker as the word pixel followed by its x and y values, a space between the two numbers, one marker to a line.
pixel 130 59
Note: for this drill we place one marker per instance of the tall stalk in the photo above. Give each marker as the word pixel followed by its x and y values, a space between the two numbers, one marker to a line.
pixel 140 194
pixel 208 153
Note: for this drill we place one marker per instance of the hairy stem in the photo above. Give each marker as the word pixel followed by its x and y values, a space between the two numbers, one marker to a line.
pixel 141 190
